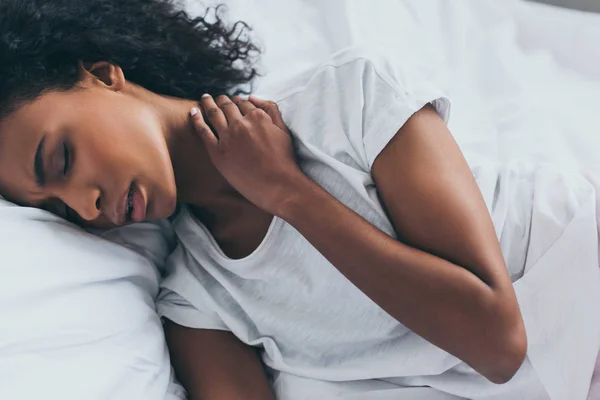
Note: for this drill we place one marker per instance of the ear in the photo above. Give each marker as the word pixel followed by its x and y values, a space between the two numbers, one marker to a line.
pixel 103 73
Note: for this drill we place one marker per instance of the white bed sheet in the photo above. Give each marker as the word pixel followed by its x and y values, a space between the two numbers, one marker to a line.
pixel 536 67
pixel 524 77
pixel 505 52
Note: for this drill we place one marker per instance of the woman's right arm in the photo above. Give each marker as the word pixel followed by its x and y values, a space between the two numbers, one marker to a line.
pixel 215 365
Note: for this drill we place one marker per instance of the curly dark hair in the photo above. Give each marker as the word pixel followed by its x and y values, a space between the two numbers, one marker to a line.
pixel 156 43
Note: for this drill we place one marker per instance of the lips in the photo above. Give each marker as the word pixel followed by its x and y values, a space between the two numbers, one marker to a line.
pixel 133 206
pixel 129 204
pixel 136 204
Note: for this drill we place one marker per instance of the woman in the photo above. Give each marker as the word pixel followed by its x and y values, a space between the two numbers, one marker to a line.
pixel 362 253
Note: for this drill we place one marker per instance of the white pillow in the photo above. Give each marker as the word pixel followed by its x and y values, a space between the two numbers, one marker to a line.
pixel 78 318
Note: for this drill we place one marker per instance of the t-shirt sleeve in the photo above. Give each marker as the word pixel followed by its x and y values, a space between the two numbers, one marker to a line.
pixel 174 307
pixel 393 92
pixel 183 297
pixel 351 106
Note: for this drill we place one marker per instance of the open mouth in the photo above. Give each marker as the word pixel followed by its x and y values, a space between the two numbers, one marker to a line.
pixel 135 206
pixel 129 204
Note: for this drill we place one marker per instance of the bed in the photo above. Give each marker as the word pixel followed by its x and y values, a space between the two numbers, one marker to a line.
pixel 536 67
pixel 524 78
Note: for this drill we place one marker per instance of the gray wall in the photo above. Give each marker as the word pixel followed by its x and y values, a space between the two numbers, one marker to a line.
pixel 587 5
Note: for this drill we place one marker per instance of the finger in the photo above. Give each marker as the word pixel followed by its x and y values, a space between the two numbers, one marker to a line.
pixel 231 111
pixel 202 129
pixel 214 115
pixel 245 106
pixel 271 108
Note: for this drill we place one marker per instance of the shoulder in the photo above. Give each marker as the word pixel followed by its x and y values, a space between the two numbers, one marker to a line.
pixel 351 104
pixel 359 57
pixel 352 65
pixel 361 77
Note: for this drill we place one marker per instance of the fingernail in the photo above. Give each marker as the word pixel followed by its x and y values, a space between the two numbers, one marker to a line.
pixel 205 95
pixel 194 111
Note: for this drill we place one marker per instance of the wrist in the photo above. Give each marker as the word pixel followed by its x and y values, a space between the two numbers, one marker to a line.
pixel 293 197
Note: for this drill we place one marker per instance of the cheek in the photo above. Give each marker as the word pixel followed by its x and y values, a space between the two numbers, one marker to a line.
pixel 127 135
pixel 143 131
pixel 134 146
pixel 147 145
pixel 125 142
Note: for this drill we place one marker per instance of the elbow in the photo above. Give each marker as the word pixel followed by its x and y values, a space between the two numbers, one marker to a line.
pixel 508 357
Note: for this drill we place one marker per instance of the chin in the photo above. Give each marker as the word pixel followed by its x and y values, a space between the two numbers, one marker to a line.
pixel 165 207
pixel 172 207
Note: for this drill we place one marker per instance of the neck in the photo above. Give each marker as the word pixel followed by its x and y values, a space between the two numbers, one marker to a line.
pixel 198 181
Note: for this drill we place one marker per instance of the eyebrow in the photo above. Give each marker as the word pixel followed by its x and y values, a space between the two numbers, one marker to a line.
pixel 38 164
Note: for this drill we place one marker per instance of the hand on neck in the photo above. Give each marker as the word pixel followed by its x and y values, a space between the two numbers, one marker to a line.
pixel 198 181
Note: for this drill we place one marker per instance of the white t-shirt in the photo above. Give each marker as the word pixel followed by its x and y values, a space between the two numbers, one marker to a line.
pixel 311 322
pixel 286 296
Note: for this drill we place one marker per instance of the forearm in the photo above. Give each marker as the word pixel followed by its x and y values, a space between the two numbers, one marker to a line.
pixel 477 320
pixel 442 302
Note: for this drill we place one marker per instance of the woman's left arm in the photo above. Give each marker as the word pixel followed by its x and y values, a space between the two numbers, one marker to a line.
pixel 447 282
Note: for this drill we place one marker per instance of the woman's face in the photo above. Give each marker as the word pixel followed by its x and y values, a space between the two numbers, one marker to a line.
pixel 94 154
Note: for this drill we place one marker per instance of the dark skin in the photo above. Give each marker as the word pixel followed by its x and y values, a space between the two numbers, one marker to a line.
pixel 448 265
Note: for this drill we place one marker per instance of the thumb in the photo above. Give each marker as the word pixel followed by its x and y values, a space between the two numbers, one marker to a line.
pixel 271 108
pixel 202 129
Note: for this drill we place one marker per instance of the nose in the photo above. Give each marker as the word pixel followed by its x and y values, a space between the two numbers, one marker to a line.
pixel 86 203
